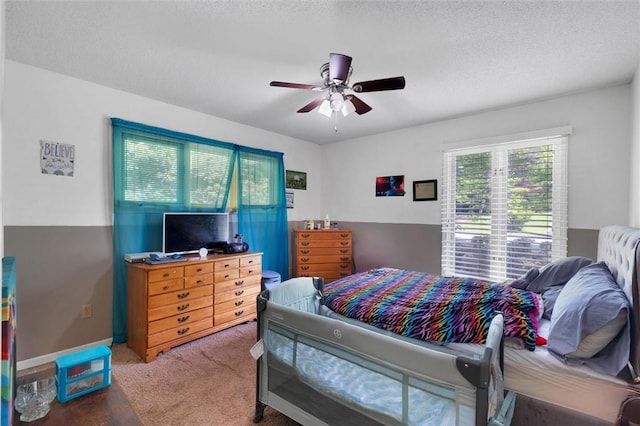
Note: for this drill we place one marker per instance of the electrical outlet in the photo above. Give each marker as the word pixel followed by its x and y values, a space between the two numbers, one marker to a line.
pixel 87 311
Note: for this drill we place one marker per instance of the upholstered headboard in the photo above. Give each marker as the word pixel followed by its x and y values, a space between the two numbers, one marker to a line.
pixel 619 249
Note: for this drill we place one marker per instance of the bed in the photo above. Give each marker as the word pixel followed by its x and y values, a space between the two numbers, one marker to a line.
pixel 319 363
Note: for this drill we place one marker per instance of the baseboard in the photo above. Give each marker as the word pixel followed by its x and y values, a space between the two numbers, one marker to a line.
pixel 48 358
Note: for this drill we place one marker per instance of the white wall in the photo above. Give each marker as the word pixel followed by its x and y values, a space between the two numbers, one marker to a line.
pixel 599 166
pixel 44 105
pixel 2 38
pixel 634 195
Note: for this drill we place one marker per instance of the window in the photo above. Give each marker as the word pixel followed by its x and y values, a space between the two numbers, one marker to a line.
pixel 157 170
pixel 504 207
pixel 174 172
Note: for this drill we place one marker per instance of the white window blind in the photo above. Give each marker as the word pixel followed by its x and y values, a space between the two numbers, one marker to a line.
pixel 504 207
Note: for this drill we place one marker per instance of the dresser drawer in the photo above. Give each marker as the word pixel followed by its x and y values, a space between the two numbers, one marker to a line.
pixel 323 235
pixel 200 268
pixel 160 287
pixel 180 331
pixel 229 274
pixel 180 296
pixel 244 311
pixel 316 267
pixel 228 296
pixel 324 243
pixel 323 251
pixel 223 265
pixel 179 308
pixel 166 274
pixel 182 319
pixel 341 258
pixel 240 283
pixel 250 270
pixel 197 280
pixel 250 261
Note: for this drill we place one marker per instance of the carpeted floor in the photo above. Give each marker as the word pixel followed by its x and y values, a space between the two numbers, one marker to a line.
pixel 210 381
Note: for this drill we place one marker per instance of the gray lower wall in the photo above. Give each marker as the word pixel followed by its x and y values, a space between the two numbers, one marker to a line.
pixel 61 268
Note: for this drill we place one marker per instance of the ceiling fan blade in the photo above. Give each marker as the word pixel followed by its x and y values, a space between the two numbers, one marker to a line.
pixel 361 107
pixel 393 83
pixel 312 105
pixel 339 66
pixel 295 85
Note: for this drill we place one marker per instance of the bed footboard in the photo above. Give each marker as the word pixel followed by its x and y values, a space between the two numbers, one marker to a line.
pixel 320 370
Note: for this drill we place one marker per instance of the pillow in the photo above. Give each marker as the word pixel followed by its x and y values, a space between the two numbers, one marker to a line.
pixel 522 282
pixel 589 323
pixel 558 272
pixel 549 296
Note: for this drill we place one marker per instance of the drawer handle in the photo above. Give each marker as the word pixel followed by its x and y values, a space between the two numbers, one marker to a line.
pixel 344 258
pixel 343 266
pixel 251 261
pixel 166 287
pixel 166 274
pixel 239 293
pixel 240 282
pixel 184 318
pixel 183 331
pixel 200 281
pixel 304 259
pixel 304 267
pixel 226 276
pixel 239 302
pixel 199 270
pixel 304 243
pixel 305 251
pixel 344 251
pixel 305 235
pixel 344 235
pixel 250 271
pixel 344 243
pixel 238 313
pixel 183 307
pixel 183 295
pixel 226 265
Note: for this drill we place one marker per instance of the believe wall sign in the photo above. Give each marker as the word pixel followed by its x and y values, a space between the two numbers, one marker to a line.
pixel 57 158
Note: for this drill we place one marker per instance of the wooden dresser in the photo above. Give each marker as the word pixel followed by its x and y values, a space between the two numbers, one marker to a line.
pixel 169 304
pixel 325 253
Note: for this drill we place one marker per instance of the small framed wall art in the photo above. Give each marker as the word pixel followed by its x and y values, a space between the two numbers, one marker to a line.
pixel 295 180
pixel 289 199
pixel 390 186
pixel 425 190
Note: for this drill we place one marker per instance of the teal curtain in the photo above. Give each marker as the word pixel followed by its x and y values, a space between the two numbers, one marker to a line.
pixel 157 170
pixel 262 207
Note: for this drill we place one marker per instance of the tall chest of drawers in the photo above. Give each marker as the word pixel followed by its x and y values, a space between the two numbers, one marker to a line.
pixel 325 253
pixel 169 304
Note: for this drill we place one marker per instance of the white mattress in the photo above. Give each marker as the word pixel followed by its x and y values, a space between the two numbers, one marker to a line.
pixel 542 376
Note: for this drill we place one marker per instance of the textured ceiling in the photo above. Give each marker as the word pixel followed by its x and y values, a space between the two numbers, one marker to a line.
pixel 218 57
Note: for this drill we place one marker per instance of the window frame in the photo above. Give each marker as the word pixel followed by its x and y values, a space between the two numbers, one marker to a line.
pixel 498 256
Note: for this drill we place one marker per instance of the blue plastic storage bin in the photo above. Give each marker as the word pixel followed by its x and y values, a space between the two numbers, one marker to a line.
pixel 82 372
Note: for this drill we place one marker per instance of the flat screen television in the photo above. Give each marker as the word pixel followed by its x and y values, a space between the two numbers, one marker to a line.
pixel 189 232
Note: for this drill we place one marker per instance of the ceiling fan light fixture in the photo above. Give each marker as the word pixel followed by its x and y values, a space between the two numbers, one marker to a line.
pixel 336 101
pixel 325 108
pixel 347 108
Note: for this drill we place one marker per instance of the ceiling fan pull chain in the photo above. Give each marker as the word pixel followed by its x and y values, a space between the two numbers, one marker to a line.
pixel 335 127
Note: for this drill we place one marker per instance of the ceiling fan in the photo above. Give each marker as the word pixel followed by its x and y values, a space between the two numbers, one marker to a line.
pixel 337 96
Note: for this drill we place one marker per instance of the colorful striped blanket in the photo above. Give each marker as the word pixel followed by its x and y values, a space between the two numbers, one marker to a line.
pixel 432 307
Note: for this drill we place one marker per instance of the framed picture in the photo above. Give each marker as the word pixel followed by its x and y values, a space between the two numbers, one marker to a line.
pixel 425 190
pixel 289 195
pixel 390 186
pixel 295 180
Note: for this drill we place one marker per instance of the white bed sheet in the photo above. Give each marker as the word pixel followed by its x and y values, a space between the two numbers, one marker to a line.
pixel 542 376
